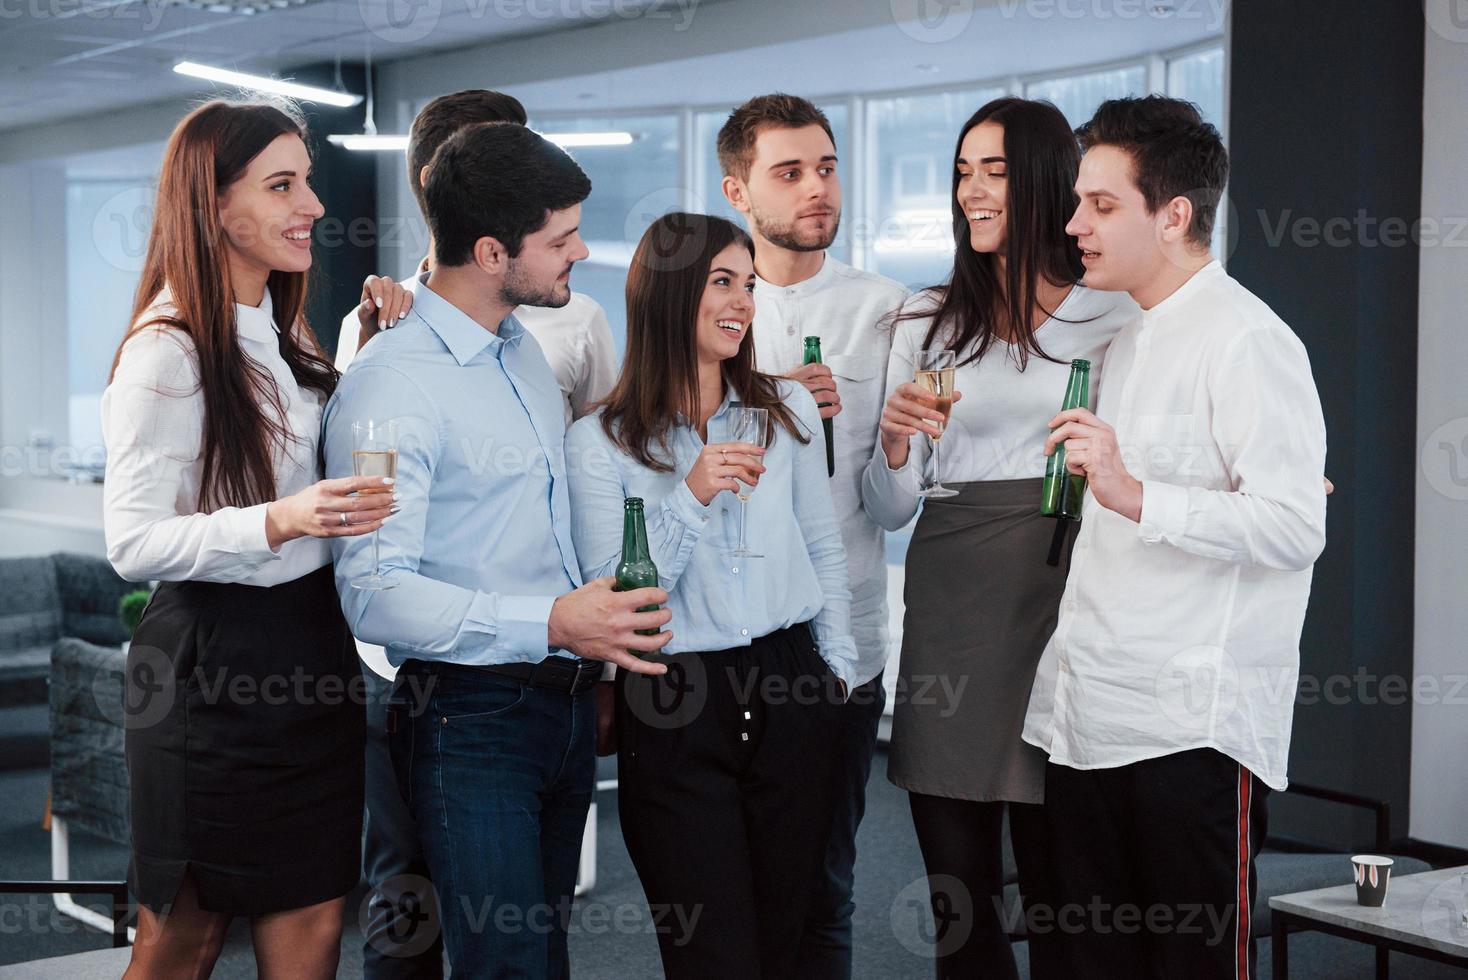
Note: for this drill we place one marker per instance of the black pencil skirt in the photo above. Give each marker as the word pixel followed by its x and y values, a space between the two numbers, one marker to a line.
pixel 244 741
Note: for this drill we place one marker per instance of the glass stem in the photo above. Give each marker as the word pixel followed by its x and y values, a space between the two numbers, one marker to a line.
pixel 376 558
pixel 934 481
pixel 742 505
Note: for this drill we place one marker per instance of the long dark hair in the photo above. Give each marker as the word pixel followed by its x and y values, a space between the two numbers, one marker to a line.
pixel 207 152
pixel 1042 160
pixel 660 370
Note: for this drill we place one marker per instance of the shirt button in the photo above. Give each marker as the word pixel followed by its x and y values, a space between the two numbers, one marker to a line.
pixel 744 632
pixel 736 570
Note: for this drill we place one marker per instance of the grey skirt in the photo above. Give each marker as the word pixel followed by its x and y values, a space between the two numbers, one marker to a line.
pixel 981 605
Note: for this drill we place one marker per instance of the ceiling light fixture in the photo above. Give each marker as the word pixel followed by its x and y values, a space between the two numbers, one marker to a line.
pixel 589 139
pixel 264 83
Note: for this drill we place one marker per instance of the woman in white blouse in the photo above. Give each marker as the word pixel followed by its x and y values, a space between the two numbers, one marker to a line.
pixel 981 597
pixel 725 762
pixel 244 715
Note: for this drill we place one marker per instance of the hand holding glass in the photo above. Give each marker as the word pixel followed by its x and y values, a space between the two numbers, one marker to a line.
pixel 750 425
pixel 934 374
pixel 375 453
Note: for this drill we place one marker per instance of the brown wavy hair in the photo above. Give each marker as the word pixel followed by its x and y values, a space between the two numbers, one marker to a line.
pixel 659 381
pixel 207 152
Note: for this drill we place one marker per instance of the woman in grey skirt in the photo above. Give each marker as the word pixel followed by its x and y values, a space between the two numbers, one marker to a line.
pixel 981 597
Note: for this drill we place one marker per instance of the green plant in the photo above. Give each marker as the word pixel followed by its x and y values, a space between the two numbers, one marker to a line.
pixel 130 608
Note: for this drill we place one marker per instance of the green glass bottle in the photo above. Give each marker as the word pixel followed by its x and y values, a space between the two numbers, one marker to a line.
pixel 636 570
pixel 813 356
pixel 1061 496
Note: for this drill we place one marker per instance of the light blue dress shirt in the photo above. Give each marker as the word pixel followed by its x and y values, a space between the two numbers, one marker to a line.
pixel 720 602
pixel 482 545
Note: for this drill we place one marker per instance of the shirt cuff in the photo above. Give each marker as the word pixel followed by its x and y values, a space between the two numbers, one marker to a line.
pixel 842 667
pixel 251 542
pixel 523 624
pixel 686 508
pixel 1164 512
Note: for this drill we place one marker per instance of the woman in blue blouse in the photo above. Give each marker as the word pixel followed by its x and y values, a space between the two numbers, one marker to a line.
pixel 724 762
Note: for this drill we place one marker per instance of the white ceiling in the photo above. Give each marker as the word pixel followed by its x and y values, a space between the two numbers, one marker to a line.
pixel 69 58
pixel 62 58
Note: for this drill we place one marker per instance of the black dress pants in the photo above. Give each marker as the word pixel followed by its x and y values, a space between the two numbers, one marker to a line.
pixel 1154 867
pixel 726 769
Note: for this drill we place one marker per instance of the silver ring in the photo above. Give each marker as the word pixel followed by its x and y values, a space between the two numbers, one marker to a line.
pixel 345 522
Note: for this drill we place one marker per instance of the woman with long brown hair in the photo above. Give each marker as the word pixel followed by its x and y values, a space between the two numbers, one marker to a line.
pixel 724 762
pixel 244 715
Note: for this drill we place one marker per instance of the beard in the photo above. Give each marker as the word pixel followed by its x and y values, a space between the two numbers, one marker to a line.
pixel 785 236
pixel 520 290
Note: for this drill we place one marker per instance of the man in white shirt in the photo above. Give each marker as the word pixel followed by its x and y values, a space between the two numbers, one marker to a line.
pixel 1165 697
pixel 400 935
pixel 779 162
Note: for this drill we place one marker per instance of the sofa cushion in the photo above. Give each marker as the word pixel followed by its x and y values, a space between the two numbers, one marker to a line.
pixel 90 594
pixel 88 772
pixel 30 604
pixel 23 675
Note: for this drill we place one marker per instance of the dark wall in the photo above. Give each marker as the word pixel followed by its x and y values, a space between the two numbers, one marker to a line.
pixel 346 181
pixel 1325 123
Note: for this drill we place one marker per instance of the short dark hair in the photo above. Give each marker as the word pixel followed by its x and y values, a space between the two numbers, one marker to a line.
pixel 739 132
pixel 498 180
pixel 1174 153
pixel 445 116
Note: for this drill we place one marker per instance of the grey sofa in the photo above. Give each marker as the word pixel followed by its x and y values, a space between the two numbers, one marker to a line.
pixel 43 599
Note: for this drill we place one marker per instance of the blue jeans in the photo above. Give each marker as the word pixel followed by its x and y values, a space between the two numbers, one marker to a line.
pixel 401 935
pixel 498 776
pixel 825 944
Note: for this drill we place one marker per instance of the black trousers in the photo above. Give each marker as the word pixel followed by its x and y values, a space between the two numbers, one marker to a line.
pixel 725 790
pixel 963 854
pixel 1155 867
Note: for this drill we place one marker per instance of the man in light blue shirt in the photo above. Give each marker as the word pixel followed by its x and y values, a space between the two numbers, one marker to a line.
pixel 499 644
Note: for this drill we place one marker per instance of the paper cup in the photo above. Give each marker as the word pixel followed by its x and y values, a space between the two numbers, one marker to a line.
pixel 1373 872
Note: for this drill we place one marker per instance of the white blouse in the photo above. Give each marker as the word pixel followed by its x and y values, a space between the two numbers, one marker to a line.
pixel 152 423
pixel 997 431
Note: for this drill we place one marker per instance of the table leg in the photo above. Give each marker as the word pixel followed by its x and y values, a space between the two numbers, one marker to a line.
pixel 1279 949
pixel 1383 963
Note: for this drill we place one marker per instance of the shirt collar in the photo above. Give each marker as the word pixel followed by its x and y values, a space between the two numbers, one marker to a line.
pixel 719 412
pixel 805 287
pixel 464 338
pixel 1180 295
pixel 257 323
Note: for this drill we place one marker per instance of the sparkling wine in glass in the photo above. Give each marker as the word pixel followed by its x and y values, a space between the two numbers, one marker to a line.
pixel 935 371
pixel 375 453
pixel 751 425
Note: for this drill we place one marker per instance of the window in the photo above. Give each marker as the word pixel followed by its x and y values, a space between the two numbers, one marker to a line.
pixel 631 185
pixel 1078 95
pixel 910 160
pixel 1199 79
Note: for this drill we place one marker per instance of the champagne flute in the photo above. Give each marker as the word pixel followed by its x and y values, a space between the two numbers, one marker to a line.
pixel 375 453
pixel 751 425
pixel 935 370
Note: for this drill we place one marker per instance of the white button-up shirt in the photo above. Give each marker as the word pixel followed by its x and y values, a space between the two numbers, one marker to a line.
pixel 153 424
pixel 847 309
pixel 1183 631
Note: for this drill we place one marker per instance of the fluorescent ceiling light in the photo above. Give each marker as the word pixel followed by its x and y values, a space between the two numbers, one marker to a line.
pixel 263 83
pixel 364 141
pixel 589 139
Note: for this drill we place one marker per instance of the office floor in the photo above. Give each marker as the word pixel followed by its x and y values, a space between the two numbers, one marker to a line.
pixel 889 902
